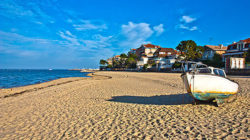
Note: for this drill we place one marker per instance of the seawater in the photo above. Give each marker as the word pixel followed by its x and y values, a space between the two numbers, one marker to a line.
pixel 15 78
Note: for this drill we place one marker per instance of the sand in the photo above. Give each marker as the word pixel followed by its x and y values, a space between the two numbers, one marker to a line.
pixel 125 105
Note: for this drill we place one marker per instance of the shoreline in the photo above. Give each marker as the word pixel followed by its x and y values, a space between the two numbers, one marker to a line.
pixel 125 105
pixel 15 91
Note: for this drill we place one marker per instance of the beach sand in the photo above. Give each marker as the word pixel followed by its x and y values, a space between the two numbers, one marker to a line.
pixel 112 105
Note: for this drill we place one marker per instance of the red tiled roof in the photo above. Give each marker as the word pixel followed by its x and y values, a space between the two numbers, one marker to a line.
pixel 216 47
pixel 151 46
pixel 133 49
pixel 166 50
pixel 246 40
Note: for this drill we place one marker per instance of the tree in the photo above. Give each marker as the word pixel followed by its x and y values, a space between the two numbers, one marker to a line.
pixel 115 63
pixel 152 62
pixel 123 55
pixel 103 62
pixel 248 55
pixel 145 66
pixel 122 61
pixel 109 66
pixel 190 50
pixel 131 62
pixel 215 62
pixel 176 65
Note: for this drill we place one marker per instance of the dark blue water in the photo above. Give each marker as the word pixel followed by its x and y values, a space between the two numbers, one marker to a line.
pixel 14 78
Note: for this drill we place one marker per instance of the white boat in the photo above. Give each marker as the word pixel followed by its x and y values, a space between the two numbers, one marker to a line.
pixel 207 84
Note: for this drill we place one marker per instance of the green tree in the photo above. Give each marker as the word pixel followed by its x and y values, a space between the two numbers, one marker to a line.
pixel 122 61
pixel 145 67
pixel 248 55
pixel 103 62
pixel 176 65
pixel 123 55
pixel 131 62
pixel 115 63
pixel 151 62
pixel 190 50
pixel 215 62
pixel 109 66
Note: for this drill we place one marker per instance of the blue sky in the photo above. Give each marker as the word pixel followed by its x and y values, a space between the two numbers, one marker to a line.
pixel 78 33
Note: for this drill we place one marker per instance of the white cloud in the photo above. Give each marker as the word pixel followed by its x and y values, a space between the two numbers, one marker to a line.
pixel 185 23
pixel 69 37
pixel 135 34
pixel 182 26
pixel 88 25
pixel 187 19
pixel 159 29
pixel 98 41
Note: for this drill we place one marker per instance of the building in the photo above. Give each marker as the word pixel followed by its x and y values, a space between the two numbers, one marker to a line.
pixel 237 49
pixel 132 51
pixel 165 58
pixel 210 50
pixel 109 60
pixel 147 50
pixel 116 58
pixel 164 52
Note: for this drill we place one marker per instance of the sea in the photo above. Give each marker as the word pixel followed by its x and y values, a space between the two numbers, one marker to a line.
pixel 10 78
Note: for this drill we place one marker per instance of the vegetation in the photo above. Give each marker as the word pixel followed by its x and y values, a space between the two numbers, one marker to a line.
pixel 189 50
pixel 152 63
pixel 247 57
pixel 145 67
pixel 215 62
pixel 176 65
pixel 125 61
pixel 103 62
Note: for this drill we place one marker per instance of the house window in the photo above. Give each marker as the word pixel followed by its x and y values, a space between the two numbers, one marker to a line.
pixel 162 52
pixel 169 53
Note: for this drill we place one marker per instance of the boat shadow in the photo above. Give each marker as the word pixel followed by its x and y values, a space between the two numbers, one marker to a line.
pixel 175 99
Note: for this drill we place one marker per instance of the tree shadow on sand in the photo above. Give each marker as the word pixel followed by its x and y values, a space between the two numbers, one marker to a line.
pixel 176 99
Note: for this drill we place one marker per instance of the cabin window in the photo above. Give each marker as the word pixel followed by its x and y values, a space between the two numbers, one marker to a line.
pixel 216 72
pixel 201 66
pixel 222 73
pixel 204 70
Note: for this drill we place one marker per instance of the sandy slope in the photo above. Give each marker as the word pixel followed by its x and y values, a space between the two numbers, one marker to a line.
pixel 128 105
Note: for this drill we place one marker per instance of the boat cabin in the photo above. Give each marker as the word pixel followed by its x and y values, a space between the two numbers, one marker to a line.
pixel 212 70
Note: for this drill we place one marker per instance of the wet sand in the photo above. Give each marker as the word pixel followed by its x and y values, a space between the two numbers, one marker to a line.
pixel 114 105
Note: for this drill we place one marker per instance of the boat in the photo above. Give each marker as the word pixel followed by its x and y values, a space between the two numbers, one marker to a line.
pixel 209 84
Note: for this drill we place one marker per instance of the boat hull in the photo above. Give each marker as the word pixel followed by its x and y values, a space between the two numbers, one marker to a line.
pixel 206 87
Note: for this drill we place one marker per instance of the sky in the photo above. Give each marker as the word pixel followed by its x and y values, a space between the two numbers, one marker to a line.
pixel 66 34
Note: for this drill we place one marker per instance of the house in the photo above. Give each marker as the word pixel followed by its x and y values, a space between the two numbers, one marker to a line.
pixel 116 58
pixel 147 50
pixel 210 50
pixel 109 60
pixel 165 58
pixel 132 51
pixel 164 52
pixel 237 49
pixel 142 61
pixel 112 59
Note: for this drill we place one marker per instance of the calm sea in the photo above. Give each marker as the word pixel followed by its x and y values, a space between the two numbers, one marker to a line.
pixel 14 78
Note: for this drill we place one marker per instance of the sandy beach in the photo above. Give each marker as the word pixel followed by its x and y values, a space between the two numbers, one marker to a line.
pixel 112 105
